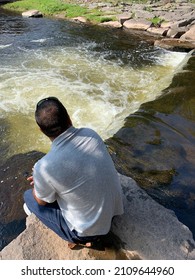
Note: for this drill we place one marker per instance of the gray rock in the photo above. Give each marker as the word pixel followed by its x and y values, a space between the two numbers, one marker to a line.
pixel 176 32
pixel 168 24
pixel 124 17
pixel 137 24
pixel 113 24
pixel 185 22
pixel 158 30
pixel 190 34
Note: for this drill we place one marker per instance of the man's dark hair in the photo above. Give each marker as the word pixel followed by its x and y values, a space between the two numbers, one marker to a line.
pixel 52 117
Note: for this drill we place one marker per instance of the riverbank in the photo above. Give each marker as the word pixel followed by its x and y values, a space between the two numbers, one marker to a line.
pixel 171 24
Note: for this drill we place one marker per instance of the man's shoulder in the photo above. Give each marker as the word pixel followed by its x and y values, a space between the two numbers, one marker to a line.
pixel 42 160
pixel 87 131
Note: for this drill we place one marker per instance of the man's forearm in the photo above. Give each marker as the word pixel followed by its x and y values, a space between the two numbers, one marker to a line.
pixel 39 201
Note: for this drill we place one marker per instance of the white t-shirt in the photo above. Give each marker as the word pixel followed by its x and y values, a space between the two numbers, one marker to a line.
pixel 79 173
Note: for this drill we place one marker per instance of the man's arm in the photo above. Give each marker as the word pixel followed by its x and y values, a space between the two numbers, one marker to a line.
pixel 38 200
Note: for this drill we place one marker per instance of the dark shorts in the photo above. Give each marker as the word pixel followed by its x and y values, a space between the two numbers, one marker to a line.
pixel 51 216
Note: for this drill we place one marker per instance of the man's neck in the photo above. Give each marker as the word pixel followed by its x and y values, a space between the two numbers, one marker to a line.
pixel 54 137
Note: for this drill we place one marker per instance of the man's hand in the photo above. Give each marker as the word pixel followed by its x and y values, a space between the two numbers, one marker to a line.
pixel 30 179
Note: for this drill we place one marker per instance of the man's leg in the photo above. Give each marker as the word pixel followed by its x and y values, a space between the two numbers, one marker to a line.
pixel 50 215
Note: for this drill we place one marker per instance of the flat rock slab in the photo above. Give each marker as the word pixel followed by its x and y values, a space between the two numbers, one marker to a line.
pixel 137 24
pixel 113 24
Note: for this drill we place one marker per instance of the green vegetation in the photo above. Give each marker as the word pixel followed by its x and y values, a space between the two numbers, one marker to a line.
pixel 156 21
pixel 47 7
pixel 51 7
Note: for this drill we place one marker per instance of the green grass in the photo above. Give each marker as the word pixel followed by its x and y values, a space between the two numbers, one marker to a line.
pixel 156 21
pixel 52 7
pixel 47 7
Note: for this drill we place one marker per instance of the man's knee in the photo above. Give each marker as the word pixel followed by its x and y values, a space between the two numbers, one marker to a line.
pixel 28 195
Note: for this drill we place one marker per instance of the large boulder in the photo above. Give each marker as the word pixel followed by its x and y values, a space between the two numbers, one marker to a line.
pixel 146 230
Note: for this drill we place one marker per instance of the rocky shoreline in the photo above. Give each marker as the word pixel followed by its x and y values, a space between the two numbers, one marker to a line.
pixel 170 22
pixel 173 21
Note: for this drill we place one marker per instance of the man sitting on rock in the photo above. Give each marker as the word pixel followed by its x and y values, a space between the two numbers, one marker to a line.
pixel 76 190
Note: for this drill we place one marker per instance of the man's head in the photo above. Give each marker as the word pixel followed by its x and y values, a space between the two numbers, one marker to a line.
pixel 52 117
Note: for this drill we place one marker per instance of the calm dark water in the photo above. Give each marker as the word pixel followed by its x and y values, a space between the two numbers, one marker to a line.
pixel 102 76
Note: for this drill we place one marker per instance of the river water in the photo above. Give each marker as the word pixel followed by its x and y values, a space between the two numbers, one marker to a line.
pixel 101 76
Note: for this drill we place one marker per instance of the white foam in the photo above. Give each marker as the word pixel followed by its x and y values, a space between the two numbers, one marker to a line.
pixel 39 40
pixel 5 46
pixel 170 58
pixel 98 93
